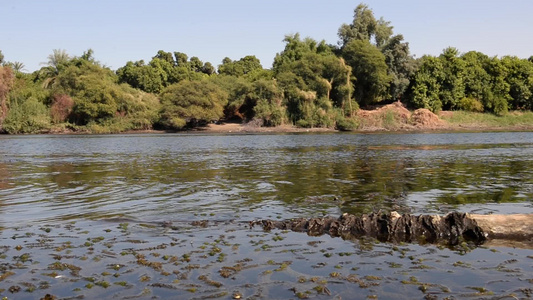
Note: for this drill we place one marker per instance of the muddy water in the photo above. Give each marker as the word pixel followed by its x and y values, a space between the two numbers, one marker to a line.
pixel 110 216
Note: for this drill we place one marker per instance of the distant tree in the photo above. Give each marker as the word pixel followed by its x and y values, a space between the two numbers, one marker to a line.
pixel 498 99
pixel 191 103
pixel 163 70
pixel 365 27
pixel 165 56
pixel 362 28
pixel 452 87
pixel 58 59
pixel 401 65
pixel 476 79
pixel 208 68
pixel 6 83
pixel 369 69
pixel 57 62
pixel 425 85
pixel 141 76
pixel 1 58
pixel 238 90
pixel 314 81
pixel 241 67
pixel 181 59
pixel 520 80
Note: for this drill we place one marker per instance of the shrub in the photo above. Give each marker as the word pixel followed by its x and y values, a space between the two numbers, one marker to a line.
pixel 31 116
pixel 61 108
pixel 471 104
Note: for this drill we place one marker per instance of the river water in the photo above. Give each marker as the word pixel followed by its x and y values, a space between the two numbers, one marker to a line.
pixel 87 180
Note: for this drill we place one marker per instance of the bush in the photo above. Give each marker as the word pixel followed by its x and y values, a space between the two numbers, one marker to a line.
pixel 471 104
pixel 61 108
pixel 31 116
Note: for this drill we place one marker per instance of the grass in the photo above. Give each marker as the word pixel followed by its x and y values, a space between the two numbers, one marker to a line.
pixel 472 119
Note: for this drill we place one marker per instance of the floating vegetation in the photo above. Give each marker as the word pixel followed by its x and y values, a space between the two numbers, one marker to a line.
pixel 144 261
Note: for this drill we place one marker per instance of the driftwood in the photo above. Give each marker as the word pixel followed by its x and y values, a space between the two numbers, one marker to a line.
pixel 393 227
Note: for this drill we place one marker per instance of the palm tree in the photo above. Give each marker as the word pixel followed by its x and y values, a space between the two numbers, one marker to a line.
pixel 17 66
pixel 57 61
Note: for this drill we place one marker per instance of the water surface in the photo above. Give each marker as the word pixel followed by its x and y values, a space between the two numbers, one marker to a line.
pixel 175 176
pixel 82 216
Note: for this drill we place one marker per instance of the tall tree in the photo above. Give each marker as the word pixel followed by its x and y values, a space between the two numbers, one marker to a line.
pixel 362 28
pixel 369 69
pixel 241 67
pixel 401 65
pixel 425 85
pixel 451 85
pixel 57 62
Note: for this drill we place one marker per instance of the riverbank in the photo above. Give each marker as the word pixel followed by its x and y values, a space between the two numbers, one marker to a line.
pixel 387 118
pixel 396 118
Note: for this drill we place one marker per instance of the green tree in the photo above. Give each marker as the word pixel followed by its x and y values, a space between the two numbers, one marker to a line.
pixel 452 87
pixel 140 76
pixel 266 101
pixel 401 65
pixel 240 67
pixel 314 81
pixel 369 69
pixel 425 86
pixel 58 61
pixel 238 90
pixel 165 56
pixel 1 58
pixel 191 103
pixel 362 28
pixel 17 66
pixel 497 101
pixel 520 80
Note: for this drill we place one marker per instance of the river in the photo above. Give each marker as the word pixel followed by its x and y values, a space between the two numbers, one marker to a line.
pixel 143 179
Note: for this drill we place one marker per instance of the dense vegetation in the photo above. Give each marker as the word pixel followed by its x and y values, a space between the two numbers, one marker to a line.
pixel 310 84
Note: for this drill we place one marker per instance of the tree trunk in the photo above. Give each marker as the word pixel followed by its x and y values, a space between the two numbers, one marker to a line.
pixel 452 228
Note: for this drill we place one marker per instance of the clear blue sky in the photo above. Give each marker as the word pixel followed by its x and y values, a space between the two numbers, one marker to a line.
pixel 120 30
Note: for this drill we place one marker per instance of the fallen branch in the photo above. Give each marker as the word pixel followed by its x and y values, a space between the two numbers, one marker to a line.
pixel 393 227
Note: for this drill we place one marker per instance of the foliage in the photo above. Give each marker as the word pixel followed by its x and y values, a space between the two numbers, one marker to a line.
pixel 163 70
pixel 191 103
pixel 313 80
pixel 268 100
pixel 369 69
pixel 61 108
pixel 6 83
pixel 310 84
pixel 365 27
pixel 241 67
pixel 28 116
pixel 471 104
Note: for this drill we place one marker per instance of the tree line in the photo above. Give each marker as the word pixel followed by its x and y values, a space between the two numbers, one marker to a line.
pixel 310 84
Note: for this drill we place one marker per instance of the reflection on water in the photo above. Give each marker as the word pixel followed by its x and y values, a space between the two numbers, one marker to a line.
pixel 186 176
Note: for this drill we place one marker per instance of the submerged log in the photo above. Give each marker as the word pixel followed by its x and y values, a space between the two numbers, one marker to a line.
pixel 393 227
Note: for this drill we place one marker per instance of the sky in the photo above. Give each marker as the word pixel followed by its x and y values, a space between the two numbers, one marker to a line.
pixel 120 31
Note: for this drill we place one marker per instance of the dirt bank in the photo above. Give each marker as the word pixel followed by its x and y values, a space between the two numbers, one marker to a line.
pixel 392 117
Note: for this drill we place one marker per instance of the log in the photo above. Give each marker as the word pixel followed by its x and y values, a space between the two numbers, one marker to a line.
pixel 452 228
